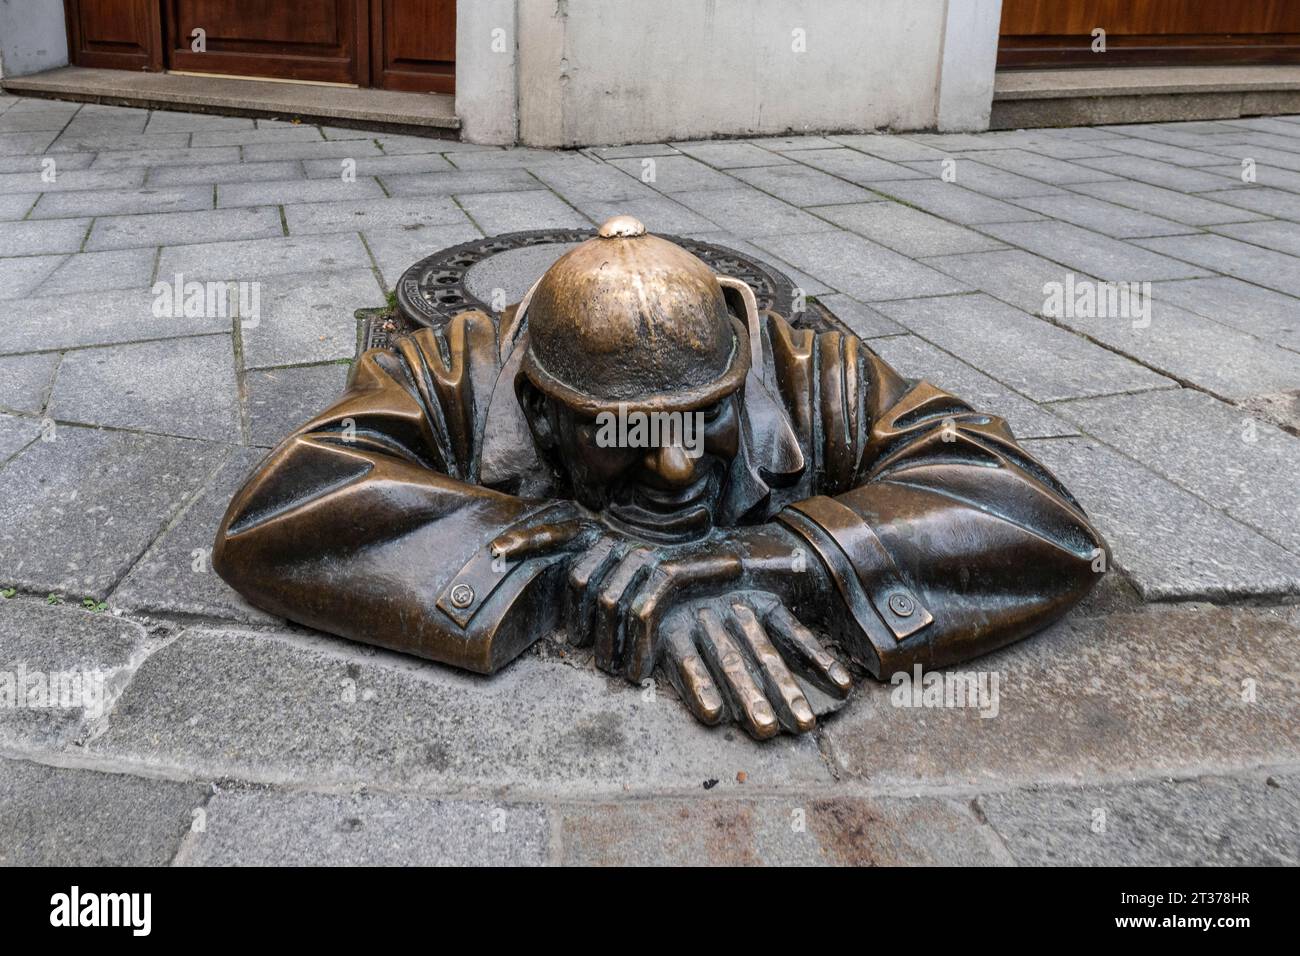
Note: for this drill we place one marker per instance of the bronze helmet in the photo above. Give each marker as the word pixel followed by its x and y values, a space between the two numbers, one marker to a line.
pixel 630 318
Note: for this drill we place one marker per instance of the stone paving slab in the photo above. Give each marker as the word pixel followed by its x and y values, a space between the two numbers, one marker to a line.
pixel 78 510
pixel 803 186
pixel 1085 251
pixel 281 399
pixel 271 828
pixel 775 832
pixel 16 205
pixel 273 709
pixel 858 267
pixel 1037 359
pixel 1211 449
pixel 1107 218
pixel 1272 270
pixel 1263 313
pixel 1124 695
pixel 1214 821
pixel 309 317
pixel 1173 545
pixel 1273 202
pixel 101 271
pixel 94 202
pixel 33 238
pixel 67 178
pixel 19 277
pixel 180 228
pixel 25 380
pixel 56 817
pixel 248 260
pixel 94 318
pixel 16 434
pixel 751 214
pixel 353 214
pixel 239 173
pixel 914 233
pixel 1200 210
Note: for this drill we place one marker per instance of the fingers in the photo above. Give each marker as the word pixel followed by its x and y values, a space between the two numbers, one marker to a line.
pixel 609 624
pixel 783 691
pixel 521 543
pixel 800 647
pixel 580 598
pixel 688 672
pixel 728 665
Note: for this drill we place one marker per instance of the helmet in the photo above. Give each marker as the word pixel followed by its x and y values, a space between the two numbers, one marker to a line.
pixel 630 318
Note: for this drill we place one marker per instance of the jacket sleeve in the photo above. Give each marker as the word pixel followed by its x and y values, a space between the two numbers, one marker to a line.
pixel 364 522
pixel 943 536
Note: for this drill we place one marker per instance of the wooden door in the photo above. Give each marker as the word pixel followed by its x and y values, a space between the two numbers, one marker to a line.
pixel 1053 33
pixel 313 40
pixel 413 45
pixel 114 34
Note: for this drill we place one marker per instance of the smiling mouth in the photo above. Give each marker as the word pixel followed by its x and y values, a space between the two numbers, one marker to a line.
pixel 665 515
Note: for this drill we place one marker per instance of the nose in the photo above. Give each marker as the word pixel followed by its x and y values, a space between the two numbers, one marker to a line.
pixel 672 464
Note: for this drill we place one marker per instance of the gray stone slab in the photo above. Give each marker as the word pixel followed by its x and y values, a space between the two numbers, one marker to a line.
pixel 856 167
pixel 36 164
pixel 72 663
pixel 310 317
pixel 25 380
pixel 1033 357
pixel 791 144
pixel 180 228
pixel 1164 152
pixel 282 399
pixel 1203 210
pixel 519 156
pixel 101 271
pixel 1244 467
pixel 1272 316
pixel 34 238
pixel 748 831
pixel 212 173
pixel 272 828
pixel 1211 821
pixel 168 157
pixel 215 699
pixel 985 179
pixel 804 186
pixel 723 155
pixel 250 260
pixel 183 387
pixel 1172 544
pixel 952 202
pixel 167 120
pixel 864 321
pixel 394 145
pixel 56 817
pixel 803 282
pixel 1241 260
pixel 76 512
pixel 378 166
pixel 16 205
pixel 1093 253
pixel 31 121
pixel 593 183
pixel 448 184
pixel 1194 349
pixel 353 215
pixel 897 149
pixel 270 152
pixel 109 140
pixel 659 213
pixel 16 434
pixel 1107 218
pixel 94 318
pixel 907 230
pixel 252 137
pixel 25 144
pixel 70 179
pixel 507 276
pixel 1277 234
pixel 395 251
pixel 858 267
pixel 1266 176
pixel 1045 169
pixel 1097 697
pixel 1259 199
pixel 175 575
pixel 298 191
pixel 917 359
pixel 1166 175
pixel 19 277
pixel 117 202
pixel 675 174
pixel 750 213
pixel 510 212
pixel 632 151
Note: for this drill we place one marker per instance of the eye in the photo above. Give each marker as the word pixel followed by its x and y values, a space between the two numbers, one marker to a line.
pixel 713 411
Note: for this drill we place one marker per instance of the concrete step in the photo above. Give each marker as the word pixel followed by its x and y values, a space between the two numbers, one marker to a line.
pixel 423 114
pixel 1024 99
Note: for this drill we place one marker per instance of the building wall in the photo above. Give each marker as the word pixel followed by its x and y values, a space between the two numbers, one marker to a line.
pixel 33 36
pixel 620 71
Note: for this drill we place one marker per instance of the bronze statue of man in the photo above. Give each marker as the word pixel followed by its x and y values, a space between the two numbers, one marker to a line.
pixel 636 455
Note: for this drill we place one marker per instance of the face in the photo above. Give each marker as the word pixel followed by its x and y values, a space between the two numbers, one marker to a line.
pixel 660 476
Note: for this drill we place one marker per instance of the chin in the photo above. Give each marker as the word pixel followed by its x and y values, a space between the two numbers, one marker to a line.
pixel 664 516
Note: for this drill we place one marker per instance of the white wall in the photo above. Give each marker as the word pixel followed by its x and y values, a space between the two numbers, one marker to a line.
pixel 33 36
pixel 616 71
pixel 487 76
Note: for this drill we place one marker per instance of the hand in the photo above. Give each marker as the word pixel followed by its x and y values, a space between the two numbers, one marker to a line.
pixel 734 657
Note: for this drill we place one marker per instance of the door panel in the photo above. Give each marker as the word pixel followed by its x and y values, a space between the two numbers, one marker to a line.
pixel 303 40
pixel 414 45
pixel 1050 33
pixel 114 34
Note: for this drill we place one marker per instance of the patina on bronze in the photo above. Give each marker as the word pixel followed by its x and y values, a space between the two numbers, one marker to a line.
pixel 465 498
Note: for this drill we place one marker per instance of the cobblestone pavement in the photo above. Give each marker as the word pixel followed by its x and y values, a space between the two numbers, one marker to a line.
pixel 1157 723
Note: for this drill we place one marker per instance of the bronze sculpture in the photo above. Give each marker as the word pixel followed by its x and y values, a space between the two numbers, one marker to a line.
pixel 636 454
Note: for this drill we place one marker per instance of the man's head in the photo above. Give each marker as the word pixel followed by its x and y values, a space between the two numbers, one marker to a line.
pixel 633 378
